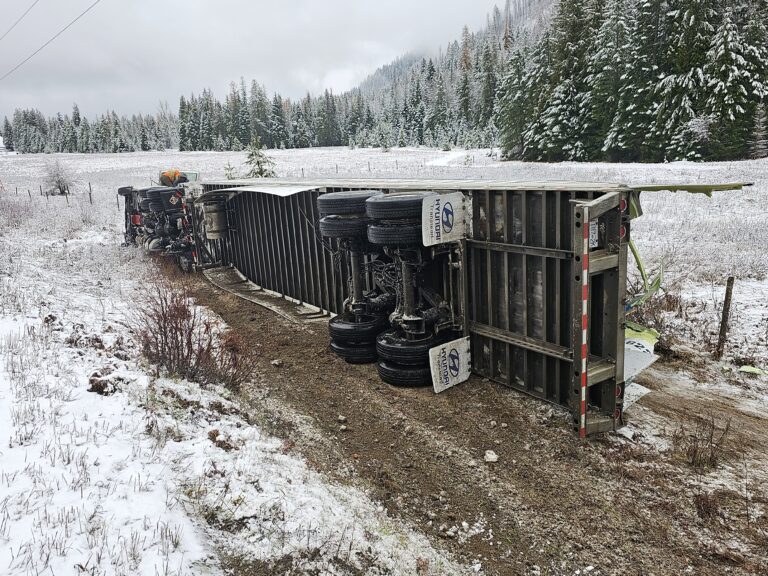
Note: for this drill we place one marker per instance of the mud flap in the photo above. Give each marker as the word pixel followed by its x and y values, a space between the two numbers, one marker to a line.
pixel 450 363
pixel 443 218
pixel 638 355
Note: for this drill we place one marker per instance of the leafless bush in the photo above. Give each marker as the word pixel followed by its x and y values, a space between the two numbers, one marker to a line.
pixel 176 335
pixel 707 504
pixel 657 310
pixel 704 446
pixel 58 177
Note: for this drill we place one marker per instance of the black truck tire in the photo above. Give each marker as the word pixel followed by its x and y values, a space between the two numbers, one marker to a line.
pixel 395 234
pixel 343 227
pixel 404 376
pixel 344 203
pixel 392 346
pixel 355 353
pixel 344 329
pixel 396 206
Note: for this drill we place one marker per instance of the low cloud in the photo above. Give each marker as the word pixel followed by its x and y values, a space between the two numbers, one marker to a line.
pixel 128 56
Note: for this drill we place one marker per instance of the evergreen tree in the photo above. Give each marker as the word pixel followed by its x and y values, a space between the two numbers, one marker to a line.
pixel 487 85
pixel 465 66
pixel 628 138
pixel 7 134
pixel 556 135
pixel 680 122
pixel 259 164
pixel 513 108
pixel 84 143
pixel 328 133
pixel 277 124
pixel 728 88
pixel 69 136
pixel 758 144
pixel 184 143
pixel 259 114
pixel 605 69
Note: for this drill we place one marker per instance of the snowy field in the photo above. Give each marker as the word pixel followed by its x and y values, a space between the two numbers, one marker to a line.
pixel 120 483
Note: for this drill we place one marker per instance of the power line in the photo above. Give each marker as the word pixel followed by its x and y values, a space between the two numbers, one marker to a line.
pixel 59 33
pixel 19 20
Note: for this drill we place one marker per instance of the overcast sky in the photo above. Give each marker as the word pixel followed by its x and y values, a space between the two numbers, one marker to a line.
pixel 128 55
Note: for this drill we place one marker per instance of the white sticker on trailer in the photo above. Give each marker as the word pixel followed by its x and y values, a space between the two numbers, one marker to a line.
pixel 593 234
pixel 450 363
pixel 443 218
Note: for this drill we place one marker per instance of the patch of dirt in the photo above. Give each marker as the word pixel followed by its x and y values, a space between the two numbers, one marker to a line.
pixel 552 504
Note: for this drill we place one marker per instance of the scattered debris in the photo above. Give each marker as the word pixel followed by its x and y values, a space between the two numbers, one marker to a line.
pixel 491 456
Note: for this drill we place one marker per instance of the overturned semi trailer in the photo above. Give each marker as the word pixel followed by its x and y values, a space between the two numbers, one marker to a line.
pixel 532 274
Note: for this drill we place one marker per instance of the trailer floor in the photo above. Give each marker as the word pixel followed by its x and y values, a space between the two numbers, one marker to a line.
pixel 552 504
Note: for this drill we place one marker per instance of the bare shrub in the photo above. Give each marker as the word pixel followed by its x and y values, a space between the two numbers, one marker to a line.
pixel 58 177
pixel 176 335
pixel 707 504
pixel 657 310
pixel 704 446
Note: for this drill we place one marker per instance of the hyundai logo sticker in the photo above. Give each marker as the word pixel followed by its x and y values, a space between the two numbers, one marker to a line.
pixel 447 217
pixel 454 362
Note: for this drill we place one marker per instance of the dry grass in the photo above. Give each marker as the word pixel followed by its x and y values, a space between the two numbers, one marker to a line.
pixel 703 446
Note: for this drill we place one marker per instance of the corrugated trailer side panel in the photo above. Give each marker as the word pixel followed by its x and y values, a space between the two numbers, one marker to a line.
pixel 275 243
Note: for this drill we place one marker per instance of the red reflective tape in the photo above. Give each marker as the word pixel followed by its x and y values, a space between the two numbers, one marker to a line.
pixel 585 293
pixel 586 263
pixel 584 322
pixel 583 379
pixel 584 350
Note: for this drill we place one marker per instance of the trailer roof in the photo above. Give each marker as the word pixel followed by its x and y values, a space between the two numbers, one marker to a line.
pixel 282 186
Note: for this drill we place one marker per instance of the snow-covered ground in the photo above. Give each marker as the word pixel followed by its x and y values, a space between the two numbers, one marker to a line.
pixel 132 483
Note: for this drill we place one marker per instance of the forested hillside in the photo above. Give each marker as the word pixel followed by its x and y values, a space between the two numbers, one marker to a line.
pixel 444 100
pixel 616 80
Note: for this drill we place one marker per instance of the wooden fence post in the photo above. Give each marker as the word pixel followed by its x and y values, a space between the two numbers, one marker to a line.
pixel 90 193
pixel 724 319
